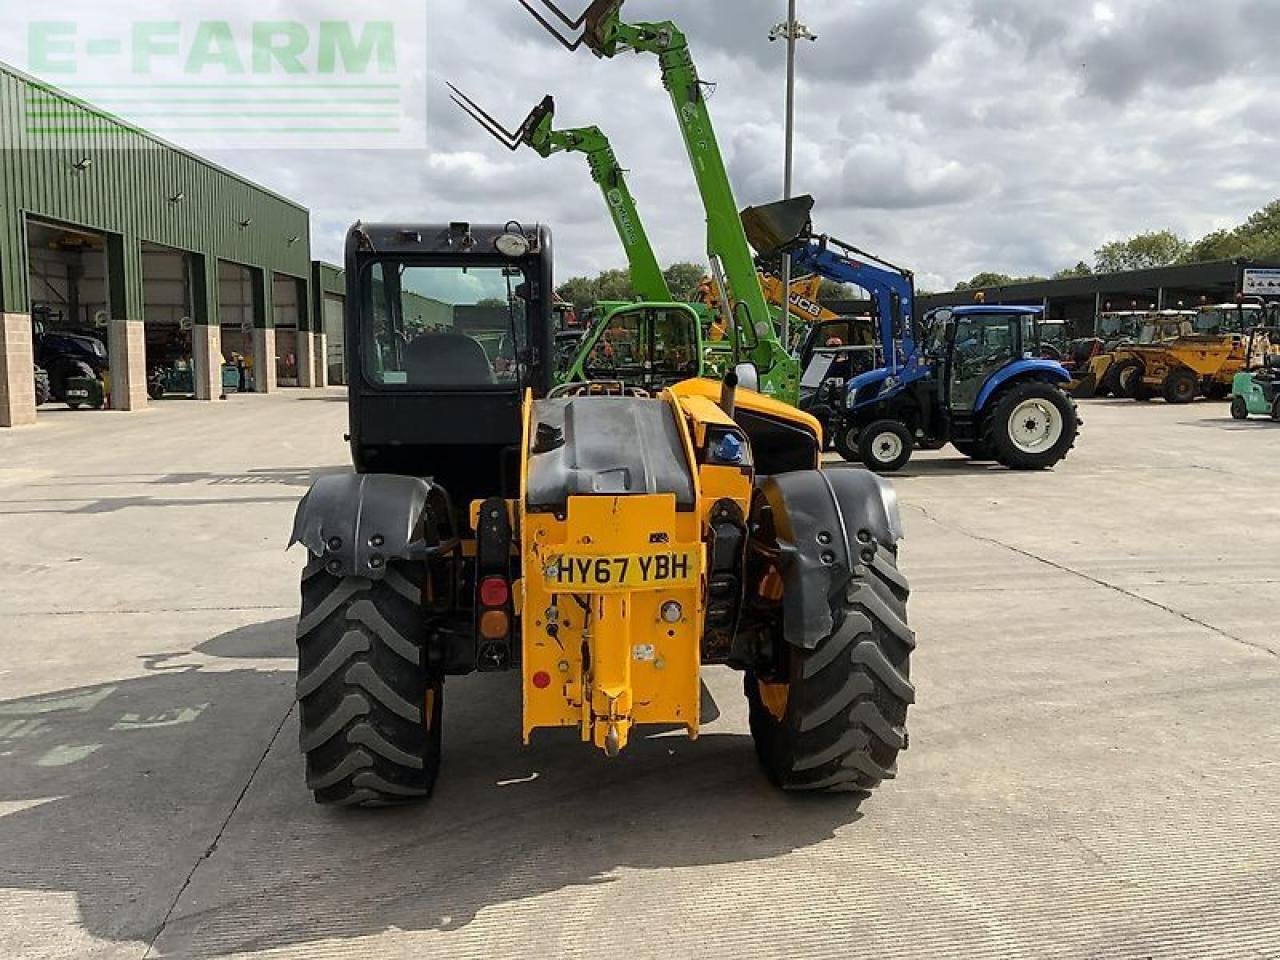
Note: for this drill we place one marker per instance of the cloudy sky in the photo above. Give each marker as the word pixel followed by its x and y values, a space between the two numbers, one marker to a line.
pixel 951 136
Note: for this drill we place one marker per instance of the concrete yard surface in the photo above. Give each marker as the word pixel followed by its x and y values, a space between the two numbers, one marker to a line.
pixel 1093 772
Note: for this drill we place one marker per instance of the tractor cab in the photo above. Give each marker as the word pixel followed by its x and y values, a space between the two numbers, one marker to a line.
pixel 645 346
pixel 447 326
pixel 977 343
pixel 1228 319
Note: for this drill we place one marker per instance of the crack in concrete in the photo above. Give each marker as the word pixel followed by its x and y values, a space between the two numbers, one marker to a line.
pixel 213 845
pixel 1063 568
pixel 132 612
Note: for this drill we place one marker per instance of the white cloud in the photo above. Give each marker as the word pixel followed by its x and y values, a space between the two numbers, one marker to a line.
pixel 952 136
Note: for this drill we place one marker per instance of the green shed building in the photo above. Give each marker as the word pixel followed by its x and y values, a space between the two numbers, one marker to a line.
pixel 178 266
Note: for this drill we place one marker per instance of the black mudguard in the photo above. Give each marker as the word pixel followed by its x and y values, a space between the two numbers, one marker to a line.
pixel 359 522
pixel 824 522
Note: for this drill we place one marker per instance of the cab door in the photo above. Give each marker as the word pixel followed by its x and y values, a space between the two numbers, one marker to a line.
pixel 981 345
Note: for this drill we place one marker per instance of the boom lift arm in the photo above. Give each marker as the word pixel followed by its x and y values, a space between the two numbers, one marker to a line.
pixel 892 288
pixel 539 134
pixel 605 34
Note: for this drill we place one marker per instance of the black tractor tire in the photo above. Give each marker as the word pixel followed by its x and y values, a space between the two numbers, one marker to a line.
pixel 825 417
pixel 155 390
pixel 973 449
pixel 1275 410
pixel 1109 382
pixel 370 713
pixel 44 392
pixel 1126 375
pixel 1038 399
pixel 885 446
pixel 1086 387
pixel 1180 386
pixel 844 718
pixel 1240 409
pixel 845 439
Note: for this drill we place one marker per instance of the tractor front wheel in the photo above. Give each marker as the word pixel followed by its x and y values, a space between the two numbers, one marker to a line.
pixel 837 720
pixel 1127 377
pixel 1180 386
pixel 1239 408
pixel 1033 426
pixel 886 446
pixel 845 439
pixel 370 713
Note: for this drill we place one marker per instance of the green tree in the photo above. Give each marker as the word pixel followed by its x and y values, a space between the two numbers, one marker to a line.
pixel 831 290
pixel 580 291
pixel 1158 248
pixel 1081 269
pixel 986 279
pixel 683 279
pixel 1218 245
pixel 1257 238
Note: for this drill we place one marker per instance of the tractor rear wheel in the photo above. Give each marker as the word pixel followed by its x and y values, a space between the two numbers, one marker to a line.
pixel 1180 386
pixel 886 446
pixel 1275 410
pixel 1239 409
pixel 1033 426
pixel 837 720
pixel 370 713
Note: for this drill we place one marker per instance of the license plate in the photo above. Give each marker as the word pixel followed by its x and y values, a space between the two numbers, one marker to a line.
pixel 78 394
pixel 587 574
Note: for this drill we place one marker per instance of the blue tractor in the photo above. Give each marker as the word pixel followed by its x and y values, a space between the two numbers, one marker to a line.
pixel 975 379
pixel 978 382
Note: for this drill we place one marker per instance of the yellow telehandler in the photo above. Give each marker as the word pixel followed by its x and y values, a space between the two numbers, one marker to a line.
pixel 603 540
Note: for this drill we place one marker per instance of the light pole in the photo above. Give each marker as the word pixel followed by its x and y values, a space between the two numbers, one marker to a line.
pixel 791 31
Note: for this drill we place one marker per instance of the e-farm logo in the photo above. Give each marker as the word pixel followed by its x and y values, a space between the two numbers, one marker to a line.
pixel 307 81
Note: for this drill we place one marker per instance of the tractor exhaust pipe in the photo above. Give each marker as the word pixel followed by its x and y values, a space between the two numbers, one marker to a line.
pixel 729 393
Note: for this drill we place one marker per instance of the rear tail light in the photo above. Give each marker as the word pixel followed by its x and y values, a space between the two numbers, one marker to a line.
pixel 494 625
pixel 494 592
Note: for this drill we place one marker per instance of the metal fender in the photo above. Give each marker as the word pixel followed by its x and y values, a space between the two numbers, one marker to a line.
pixel 826 521
pixel 1050 370
pixel 358 522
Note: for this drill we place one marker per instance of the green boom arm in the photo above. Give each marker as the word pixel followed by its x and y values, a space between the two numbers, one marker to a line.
pixel 538 133
pixel 606 35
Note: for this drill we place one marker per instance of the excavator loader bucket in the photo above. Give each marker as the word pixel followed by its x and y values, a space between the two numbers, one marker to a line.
pixel 775 227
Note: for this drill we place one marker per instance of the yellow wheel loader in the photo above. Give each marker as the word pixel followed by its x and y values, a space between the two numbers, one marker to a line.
pixel 602 542
pixel 1200 360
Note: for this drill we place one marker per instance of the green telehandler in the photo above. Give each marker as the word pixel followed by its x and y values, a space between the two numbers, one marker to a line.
pixel 628 340
pixel 538 133
pixel 754 330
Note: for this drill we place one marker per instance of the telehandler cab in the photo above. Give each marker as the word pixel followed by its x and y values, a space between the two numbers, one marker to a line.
pixel 602 540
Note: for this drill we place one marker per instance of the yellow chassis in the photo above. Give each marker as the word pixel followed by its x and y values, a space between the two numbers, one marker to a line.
pixel 602 657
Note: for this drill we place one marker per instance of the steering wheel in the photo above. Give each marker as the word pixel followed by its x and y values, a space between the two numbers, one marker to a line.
pixel 598 388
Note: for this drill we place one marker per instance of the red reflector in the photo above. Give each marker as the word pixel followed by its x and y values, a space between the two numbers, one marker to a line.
pixel 542 680
pixel 494 592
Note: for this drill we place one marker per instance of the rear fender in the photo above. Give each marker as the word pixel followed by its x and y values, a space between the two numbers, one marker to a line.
pixel 359 522
pixel 1049 371
pixel 825 521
